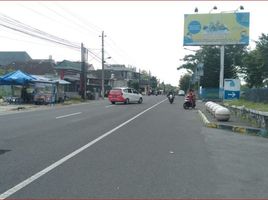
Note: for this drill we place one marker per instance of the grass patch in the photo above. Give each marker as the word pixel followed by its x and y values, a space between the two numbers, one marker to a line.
pixel 248 104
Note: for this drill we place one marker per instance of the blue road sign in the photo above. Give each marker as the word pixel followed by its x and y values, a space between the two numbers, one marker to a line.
pixel 231 89
pixel 231 94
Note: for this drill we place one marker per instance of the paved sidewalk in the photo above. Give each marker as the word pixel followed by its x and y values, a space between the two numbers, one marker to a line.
pixel 234 124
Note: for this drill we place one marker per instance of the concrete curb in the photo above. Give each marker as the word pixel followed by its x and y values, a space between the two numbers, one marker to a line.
pixel 234 128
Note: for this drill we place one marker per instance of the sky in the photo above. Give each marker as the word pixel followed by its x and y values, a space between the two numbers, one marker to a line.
pixel 147 35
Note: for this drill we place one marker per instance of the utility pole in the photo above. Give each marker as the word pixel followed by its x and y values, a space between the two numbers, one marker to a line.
pixel 83 73
pixel 102 62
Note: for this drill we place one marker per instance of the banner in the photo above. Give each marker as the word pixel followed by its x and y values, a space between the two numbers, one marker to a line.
pixel 216 29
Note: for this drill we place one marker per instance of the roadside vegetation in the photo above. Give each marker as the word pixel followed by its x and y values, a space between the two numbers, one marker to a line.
pixel 239 61
pixel 248 104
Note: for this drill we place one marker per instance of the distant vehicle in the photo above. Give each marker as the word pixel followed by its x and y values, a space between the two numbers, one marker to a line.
pixel 181 93
pixel 125 95
pixel 171 98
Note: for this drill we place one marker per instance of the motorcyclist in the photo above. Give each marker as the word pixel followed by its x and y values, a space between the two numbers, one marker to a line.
pixel 171 96
pixel 192 97
pixel 170 93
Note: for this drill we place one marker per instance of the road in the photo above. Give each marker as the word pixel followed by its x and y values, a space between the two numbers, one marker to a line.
pixel 149 150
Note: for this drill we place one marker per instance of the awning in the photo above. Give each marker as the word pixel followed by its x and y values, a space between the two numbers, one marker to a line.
pixel 16 78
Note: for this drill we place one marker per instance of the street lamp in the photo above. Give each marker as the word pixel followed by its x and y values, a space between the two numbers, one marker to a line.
pixel 214 8
pixel 239 8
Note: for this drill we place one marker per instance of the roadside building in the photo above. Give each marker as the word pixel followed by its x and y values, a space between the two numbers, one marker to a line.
pixel 9 57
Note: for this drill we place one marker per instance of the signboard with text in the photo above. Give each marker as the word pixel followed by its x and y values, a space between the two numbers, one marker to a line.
pixel 216 29
pixel 231 89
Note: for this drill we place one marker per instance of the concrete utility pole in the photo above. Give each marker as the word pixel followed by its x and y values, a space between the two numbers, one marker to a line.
pixel 102 62
pixel 83 73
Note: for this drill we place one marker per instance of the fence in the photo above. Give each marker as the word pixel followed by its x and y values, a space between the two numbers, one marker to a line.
pixel 210 94
pixel 259 95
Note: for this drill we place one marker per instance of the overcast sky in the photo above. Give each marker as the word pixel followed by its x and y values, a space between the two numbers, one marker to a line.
pixel 147 35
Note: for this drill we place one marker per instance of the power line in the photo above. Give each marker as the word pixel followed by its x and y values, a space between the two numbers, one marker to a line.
pixel 24 26
pixel 57 13
pixel 85 22
pixel 95 28
pixel 95 56
pixel 68 18
pixel 33 35
pixel 27 41
pixel 18 26
pixel 88 27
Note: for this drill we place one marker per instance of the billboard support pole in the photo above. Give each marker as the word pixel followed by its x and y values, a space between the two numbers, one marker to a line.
pixel 221 73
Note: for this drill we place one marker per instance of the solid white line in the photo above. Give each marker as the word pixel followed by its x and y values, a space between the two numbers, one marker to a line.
pixel 68 115
pixel 64 159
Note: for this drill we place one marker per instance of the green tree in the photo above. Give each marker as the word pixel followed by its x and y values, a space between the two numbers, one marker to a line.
pixel 252 69
pixel 262 48
pixel 153 82
pixel 210 57
pixel 134 84
pixel 144 75
pixel 185 82
pixel 255 63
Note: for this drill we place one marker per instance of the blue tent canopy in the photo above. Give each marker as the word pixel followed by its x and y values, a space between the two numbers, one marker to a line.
pixel 16 78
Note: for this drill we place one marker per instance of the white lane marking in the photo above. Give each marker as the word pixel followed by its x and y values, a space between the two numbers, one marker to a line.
pixel 34 177
pixel 109 106
pixel 68 115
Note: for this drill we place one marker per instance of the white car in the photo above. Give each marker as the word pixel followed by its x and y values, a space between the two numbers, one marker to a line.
pixel 125 95
pixel 181 93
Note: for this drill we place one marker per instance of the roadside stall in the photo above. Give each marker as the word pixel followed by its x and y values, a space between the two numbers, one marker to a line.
pixel 20 83
pixel 47 91
pixel 26 88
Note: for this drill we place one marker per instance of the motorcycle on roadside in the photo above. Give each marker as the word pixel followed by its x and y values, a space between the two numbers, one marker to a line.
pixel 188 103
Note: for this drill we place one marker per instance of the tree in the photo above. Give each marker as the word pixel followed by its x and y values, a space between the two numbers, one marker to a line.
pixel 153 82
pixel 262 48
pixel 252 69
pixel 185 82
pixel 210 57
pixel 255 64
pixel 134 84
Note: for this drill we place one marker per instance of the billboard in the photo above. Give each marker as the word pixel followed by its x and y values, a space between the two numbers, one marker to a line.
pixel 216 29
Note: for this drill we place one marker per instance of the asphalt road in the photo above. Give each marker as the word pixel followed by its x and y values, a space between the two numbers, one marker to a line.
pixel 149 150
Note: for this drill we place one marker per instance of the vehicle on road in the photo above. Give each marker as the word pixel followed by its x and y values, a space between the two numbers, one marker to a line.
pixel 125 95
pixel 188 103
pixel 181 93
pixel 171 98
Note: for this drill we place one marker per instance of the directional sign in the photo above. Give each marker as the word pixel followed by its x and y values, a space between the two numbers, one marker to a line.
pixel 231 89
pixel 231 94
